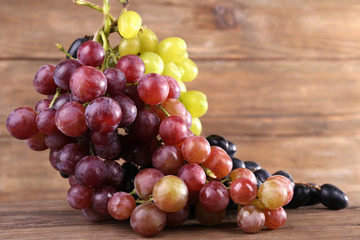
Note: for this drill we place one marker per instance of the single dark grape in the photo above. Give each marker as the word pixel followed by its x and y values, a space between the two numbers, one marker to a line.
pixel 237 163
pixel 315 194
pixel 73 49
pixel 262 175
pixel 301 196
pixel 231 150
pixel 251 165
pixel 332 197
pixel 216 140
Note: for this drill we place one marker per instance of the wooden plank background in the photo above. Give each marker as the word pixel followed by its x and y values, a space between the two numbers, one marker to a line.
pixel 282 79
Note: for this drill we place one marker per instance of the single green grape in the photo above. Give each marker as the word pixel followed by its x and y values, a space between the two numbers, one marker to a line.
pixel 170 69
pixel 182 88
pixel 148 40
pixel 172 49
pixel 129 24
pixel 195 102
pixel 190 70
pixel 196 126
pixel 129 46
pixel 153 62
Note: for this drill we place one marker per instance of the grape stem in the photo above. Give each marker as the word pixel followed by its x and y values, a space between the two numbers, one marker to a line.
pixel 133 192
pixel 226 179
pixel 57 94
pixel 61 48
pixel 163 109
pixel 93 6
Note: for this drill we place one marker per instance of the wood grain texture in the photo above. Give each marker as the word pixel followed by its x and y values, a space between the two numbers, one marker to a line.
pixel 282 79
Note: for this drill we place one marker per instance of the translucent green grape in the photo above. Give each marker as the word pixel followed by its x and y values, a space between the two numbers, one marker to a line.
pixel 190 70
pixel 129 46
pixel 170 69
pixel 182 87
pixel 129 24
pixel 195 102
pixel 196 126
pixel 148 40
pixel 153 62
pixel 172 49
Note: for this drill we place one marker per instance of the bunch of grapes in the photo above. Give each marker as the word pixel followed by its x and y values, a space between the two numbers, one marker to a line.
pixel 121 125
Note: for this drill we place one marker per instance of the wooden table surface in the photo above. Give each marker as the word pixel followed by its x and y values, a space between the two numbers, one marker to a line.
pixel 283 83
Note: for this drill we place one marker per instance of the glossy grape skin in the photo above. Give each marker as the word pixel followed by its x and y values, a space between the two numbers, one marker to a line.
pixel 63 72
pixel 237 163
pixel 195 102
pixel 42 104
pixel 128 110
pixel 68 157
pixel 172 49
pixel 301 196
pixel 174 87
pixel 272 194
pixel 121 205
pixel 195 149
pixel 88 83
pixel 194 177
pixel 45 121
pixel 332 197
pixel 91 53
pixel 114 174
pixel 214 197
pixel 90 172
pixel 132 66
pixel 172 107
pixel 178 218
pixel 146 125
pixel 44 80
pixel 207 218
pixel 103 115
pixel 153 89
pixel 288 185
pixel 21 123
pixel 170 194
pixel 231 149
pixel 250 219
pixel 70 119
pixel 79 197
pixel 100 198
pixel 218 162
pixel 129 24
pixel 172 70
pixel 216 140
pixel 243 191
pixel 115 81
pixel 173 130
pixel 145 181
pixel 147 220
pixel 148 40
pixel 242 172
pixel 37 142
pixel 275 218
pixel 129 46
pixel 167 159
pixel 153 62
pixel 190 70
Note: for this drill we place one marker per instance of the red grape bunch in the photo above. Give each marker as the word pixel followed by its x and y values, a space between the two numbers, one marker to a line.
pixel 121 125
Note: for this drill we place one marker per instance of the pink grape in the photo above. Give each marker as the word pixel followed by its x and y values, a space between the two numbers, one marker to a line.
pixel 44 80
pixel 115 81
pixel 132 66
pixel 121 205
pixel 21 123
pixel 167 159
pixel 250 219
pixel 128 110
pixel 91 53
pixel 88 83
pixel 63 72
pixel 153 89
pixel 173 130
pixel 194 177
pixel 45 121
pixel 174 87
pixel 195 149
pixel 70 119
pixel 214 197
pixel 145 181
pixel 275 218
pixel 90 172
pixel 219 162
pixel 79 197
pixel 243 191
pixel 243 172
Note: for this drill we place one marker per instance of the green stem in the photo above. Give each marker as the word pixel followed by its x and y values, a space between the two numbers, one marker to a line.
pixel 164 110
pixel 57 94
pixel 133 192
pixel 227 179
pixel 91 149
pixel 93 6
pixel 61 48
